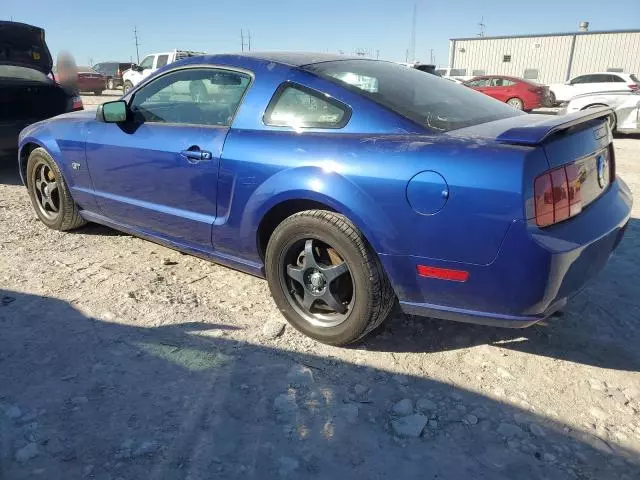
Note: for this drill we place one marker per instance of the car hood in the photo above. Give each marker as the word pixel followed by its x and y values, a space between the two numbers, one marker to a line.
pixel 24 46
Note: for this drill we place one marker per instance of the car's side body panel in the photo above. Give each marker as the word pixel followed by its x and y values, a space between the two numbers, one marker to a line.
pixel 460 200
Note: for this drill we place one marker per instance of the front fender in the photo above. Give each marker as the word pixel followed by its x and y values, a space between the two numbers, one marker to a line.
pixel 64 139
pixel 315 184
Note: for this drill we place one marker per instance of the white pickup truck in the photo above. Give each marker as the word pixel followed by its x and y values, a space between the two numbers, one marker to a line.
pixel 150 64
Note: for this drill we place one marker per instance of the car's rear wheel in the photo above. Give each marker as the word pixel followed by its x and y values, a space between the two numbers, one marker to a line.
pixel 552 99
pixel 111 84
pixel 127 86
pixel 49 193
pixel 516 103
pixel 325 278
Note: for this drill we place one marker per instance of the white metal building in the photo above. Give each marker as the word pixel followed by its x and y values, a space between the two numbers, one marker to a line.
pixel 547 58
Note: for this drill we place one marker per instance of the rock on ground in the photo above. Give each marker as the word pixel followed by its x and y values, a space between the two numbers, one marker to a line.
pixel 402 408
pixel 27 452
pixel 409 427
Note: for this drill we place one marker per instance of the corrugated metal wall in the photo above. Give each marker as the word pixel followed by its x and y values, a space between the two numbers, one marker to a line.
pixel 549 55
pixel 597 53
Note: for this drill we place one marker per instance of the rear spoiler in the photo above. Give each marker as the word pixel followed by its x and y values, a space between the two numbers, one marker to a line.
pixel 538 132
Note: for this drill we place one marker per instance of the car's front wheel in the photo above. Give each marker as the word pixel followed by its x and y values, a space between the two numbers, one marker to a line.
pixel 325 278
pixel 49 193
pixel 127 86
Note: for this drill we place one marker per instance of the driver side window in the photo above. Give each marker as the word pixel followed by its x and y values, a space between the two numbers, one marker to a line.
pixel 196 96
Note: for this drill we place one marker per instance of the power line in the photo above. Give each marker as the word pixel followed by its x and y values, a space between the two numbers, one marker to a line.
pixel 413 33
pixel 242 40
pixel 482 26
pixel 135 36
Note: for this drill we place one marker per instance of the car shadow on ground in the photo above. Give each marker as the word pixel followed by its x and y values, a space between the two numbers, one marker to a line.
pixel 600 326
pixel 85 397
pixel 9 174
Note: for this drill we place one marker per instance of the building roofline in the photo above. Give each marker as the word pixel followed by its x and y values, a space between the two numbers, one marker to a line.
pixel 559 34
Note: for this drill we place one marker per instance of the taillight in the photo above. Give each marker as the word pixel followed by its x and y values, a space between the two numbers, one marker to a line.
pixel 77 103
pixel 557 195
pixel 633 87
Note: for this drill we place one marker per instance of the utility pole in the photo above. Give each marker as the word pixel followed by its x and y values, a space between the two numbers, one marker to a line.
pixel 431 56
pixel 135 36
pixel 242 40
pixel 406 56
pixel 482 26
pixel 413 33
pixel 377 54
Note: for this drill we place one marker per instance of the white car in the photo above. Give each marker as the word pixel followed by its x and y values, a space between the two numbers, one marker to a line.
pixel 150 64
pixel 459 74
pixel 593 83
pixel 625 104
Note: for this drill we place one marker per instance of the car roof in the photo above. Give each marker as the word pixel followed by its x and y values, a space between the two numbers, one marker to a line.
pixel 297 59
pixel 623 74
pixel 508 77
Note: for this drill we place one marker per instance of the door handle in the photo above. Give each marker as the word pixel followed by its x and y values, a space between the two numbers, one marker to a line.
pixel 197 155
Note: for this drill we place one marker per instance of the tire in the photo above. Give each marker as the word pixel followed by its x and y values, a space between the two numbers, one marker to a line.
pixel 126 86
pixel 516 103
pixel 110 84
pixel 41 166
pixel 552 99
pixel 371 299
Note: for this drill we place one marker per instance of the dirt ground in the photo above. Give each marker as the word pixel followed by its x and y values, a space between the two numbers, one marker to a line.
pixel 121 359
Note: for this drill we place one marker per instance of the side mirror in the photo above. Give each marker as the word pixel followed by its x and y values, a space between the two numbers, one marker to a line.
pixel 112 112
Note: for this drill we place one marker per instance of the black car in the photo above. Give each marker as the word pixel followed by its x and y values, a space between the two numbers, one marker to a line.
pixel 28 92
pixel 424 67
pixel 113 71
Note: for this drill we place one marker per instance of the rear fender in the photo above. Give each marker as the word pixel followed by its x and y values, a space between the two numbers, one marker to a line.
pixel 318 185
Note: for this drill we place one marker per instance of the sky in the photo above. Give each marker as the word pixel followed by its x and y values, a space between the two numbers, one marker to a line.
pixel 101 31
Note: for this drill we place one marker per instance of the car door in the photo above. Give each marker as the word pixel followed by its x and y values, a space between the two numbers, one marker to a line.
pixel 147 66
pixel 498 89
pixel 158 171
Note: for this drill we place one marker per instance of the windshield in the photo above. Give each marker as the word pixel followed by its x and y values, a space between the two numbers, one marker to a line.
pixel 425 99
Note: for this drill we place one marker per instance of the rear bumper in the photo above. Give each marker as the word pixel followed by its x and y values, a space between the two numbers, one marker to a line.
pixel 534 274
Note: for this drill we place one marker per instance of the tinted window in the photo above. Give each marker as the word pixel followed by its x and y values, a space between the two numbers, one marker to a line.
pixel 162 60
pixel 582 79
pixel 147 62
pixel 634 78
pixel 502 82
pixel 193 96
pixel 615 79
pixel 298 107
pixel 426 99
pixel 480 82
pixel 599 78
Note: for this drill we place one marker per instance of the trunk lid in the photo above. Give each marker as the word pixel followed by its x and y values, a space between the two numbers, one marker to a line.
pixel 24 45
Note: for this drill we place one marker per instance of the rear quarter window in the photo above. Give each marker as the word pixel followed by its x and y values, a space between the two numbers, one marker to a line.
pixel 299 107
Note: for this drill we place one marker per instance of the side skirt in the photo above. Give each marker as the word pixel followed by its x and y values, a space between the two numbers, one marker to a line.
pixel 252 268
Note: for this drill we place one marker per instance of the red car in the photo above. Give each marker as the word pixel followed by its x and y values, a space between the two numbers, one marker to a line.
pixel 90 81
pixel 517 92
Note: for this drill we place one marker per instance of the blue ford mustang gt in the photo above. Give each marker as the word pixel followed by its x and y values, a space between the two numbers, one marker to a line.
pixel 347 183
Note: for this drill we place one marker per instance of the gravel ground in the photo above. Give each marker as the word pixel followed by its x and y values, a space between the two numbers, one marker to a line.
pixel 121 359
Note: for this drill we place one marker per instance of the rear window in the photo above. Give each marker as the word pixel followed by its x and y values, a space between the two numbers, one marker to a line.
pixel 426 99
pixel 634 78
